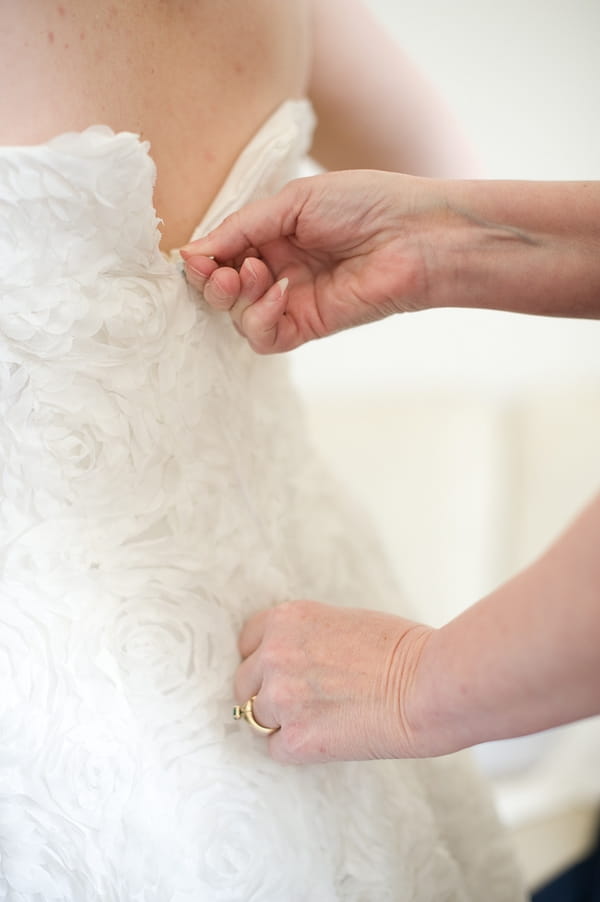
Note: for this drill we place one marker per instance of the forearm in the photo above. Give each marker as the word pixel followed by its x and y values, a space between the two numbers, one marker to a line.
pixel 526 247
pixel 525 658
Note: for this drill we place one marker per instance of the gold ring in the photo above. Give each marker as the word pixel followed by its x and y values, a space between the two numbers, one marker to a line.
pixel 246 712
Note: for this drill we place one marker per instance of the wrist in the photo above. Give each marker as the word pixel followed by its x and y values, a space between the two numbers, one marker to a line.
pixel 422 730
pixel 524 247
pixel 442 235
pixel 466 254
pixel 436 707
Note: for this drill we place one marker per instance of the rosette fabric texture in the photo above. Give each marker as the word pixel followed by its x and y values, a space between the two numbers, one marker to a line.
pixel 157 487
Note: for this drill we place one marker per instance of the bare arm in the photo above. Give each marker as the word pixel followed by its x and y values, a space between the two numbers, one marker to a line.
pixel 523 659
pixel 375 109
pixel 526 247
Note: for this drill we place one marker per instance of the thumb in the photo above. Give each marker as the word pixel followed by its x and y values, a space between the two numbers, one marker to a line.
pixel 253 226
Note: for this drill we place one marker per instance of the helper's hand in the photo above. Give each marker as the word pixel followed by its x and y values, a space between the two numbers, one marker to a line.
pixel 341 683
pixel 326 253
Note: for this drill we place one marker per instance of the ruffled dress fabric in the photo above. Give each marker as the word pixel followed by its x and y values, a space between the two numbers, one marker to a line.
pixel 157 488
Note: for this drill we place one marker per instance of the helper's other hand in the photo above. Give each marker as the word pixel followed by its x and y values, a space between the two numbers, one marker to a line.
pixel 341 683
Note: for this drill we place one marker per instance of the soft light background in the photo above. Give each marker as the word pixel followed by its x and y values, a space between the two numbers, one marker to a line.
pixel 472 437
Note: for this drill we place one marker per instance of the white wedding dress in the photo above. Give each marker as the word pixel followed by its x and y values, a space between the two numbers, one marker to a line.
pixel 157 488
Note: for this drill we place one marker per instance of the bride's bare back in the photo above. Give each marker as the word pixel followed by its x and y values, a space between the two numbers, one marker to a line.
pixel 195 77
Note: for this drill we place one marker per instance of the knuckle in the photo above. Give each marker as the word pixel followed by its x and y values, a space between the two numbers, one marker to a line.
pixel 281 698
pixel 286 618
pixel 287 610
pixel 296 611
pixel 293 745
pixel 279 613
pixel 272 654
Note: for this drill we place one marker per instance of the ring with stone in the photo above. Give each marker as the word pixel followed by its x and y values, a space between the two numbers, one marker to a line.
pixel 246 712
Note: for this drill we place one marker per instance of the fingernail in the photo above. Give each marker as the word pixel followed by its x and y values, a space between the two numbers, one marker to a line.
pixel 276 295
pixel 189 249
pixel 249 267
pixel 199 265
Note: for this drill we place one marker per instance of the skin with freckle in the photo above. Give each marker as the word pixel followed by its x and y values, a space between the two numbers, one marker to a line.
pixel 164 70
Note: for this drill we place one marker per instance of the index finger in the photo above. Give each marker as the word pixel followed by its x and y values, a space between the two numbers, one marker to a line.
pixel 253 226
pixel 252 633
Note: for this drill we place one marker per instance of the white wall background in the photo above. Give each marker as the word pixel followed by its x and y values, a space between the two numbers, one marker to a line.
pixel 472 437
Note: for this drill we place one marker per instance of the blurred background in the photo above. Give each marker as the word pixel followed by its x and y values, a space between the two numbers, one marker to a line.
pixel 472 437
